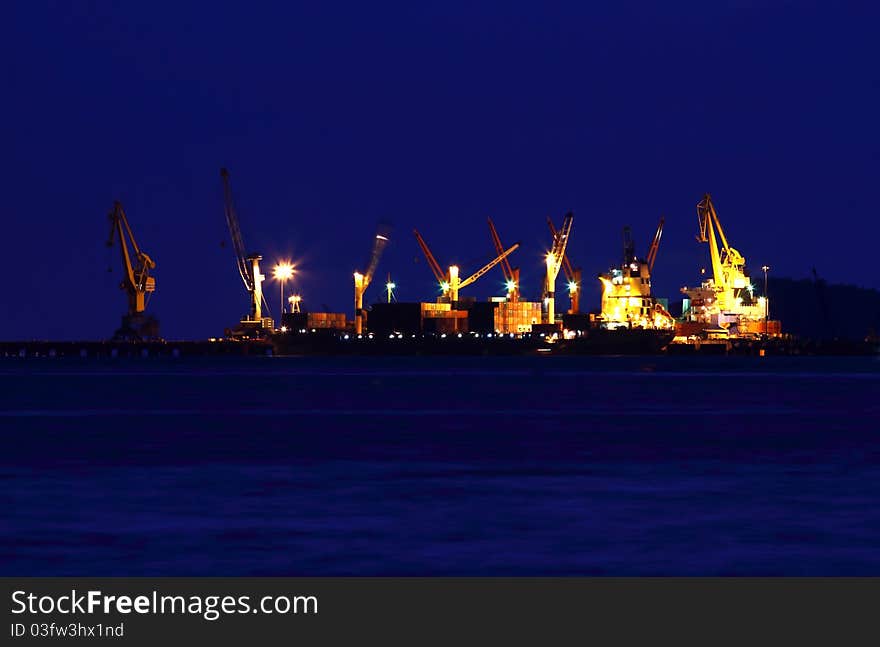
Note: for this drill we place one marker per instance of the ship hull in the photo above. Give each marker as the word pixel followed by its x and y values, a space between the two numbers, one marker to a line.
pixel 594 342
pixel 624 341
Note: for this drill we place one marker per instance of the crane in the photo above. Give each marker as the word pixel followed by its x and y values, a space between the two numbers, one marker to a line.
pixel 572 275
pixel 136 281
pixel 655 245
pixel 728 265
pixel 554 263
pixel 362 281
pixel 511 274
pixel 451 283
pixel 248 263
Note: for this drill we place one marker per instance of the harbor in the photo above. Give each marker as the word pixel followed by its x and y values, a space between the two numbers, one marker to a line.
pixel 727 313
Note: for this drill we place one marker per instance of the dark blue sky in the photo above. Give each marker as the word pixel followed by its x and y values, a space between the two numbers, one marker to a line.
pixel 332 116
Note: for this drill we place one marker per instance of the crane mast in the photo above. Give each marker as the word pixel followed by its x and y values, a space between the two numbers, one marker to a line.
pixel 362 281
pixel 248 263
pixel 511 274
pixel 554 263
pixel 572 275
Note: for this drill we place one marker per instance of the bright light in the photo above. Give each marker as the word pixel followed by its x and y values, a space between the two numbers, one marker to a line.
pixel 444 286
pixel 511 286
pixel 390 286
pixel 282 271
pixel 294 298
pixel 283 328
pixel 572 286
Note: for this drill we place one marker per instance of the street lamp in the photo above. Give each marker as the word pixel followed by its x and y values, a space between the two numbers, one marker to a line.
pixel 389 288
pixel 766 269
pixel 282 272
pixel 294 302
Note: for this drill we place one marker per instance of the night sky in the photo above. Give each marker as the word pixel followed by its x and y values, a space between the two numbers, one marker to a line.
pixel 332 117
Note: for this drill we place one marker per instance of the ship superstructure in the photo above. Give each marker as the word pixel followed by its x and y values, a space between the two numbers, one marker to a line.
pixel 627 299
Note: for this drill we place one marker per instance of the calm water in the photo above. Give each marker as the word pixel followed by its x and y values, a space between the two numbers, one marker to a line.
pixel 271 466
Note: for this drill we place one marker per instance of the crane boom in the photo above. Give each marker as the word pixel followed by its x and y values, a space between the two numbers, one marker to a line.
pixel 488 266
pixel 499 249
pixel 244 268
pixel 362 281
pixel 566 264
pixel 511 274
pixel 572 275
pixel 655 245
pixel 432 262
pixel 560 242
pixel 379 243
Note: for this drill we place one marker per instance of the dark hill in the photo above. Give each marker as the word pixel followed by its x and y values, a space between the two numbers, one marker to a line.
pixel 813 309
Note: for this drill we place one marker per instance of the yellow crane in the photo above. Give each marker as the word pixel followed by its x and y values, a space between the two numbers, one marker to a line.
pixel 728 265
pixel 248 263
pixel 554 263
pixel 511 274
pixel 136 282
pixel 572 275
pixel 362 281
pixel 726 299
pixel 450 282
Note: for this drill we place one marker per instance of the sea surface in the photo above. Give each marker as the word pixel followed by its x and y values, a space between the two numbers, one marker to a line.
pixel 440 466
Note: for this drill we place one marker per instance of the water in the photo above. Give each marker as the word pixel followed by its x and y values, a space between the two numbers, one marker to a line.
pixel 441 466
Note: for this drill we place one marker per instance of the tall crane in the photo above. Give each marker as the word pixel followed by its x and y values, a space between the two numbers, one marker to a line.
pixel 450 282
pixel 554 263
pixel 362 281
pixel 511 274
pixel 136 281
pixel 572 275
pixel 248 263
pixel 728 265
pixel 655 245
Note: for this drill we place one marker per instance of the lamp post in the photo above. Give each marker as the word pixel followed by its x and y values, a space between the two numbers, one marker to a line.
pixel 389 288
pixel 766 269
pixel 281 273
